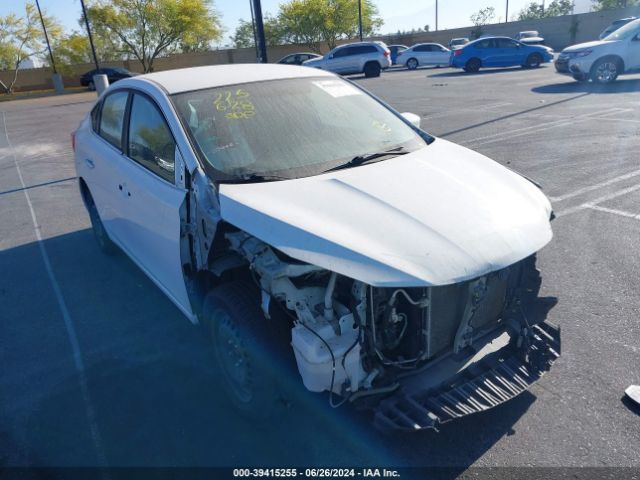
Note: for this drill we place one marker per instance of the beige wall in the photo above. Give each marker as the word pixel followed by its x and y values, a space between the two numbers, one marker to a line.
pixel 556 31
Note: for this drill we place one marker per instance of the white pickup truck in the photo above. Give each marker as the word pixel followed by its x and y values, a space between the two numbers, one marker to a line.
pixel 603 60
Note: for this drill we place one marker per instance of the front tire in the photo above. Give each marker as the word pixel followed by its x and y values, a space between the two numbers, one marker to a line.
pixel 605 71
pixel 472 65
pixel 533 61
pixel 412 64
pixel 372 69
pixel 238 330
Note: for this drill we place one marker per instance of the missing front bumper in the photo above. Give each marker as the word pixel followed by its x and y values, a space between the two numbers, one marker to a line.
pixel 485 384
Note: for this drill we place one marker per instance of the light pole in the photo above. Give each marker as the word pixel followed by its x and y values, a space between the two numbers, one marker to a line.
pixel 46 37
pixel 436 15
pixel 360 18
pixel 261 44
pixel 86 21
pixel 506 15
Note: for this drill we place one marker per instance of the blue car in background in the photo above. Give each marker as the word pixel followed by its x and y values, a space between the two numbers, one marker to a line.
pixel 499 52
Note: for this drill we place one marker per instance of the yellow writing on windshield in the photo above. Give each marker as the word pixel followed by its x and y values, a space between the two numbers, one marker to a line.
pixel 235 105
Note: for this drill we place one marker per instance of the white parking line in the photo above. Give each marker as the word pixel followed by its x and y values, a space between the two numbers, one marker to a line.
pixel 594 203
pixel 615 211
pixel 68 323
pixel 536 128
pixel 466 110
pixel 597 186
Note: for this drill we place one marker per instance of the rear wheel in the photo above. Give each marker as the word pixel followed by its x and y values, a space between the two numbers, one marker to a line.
pixel 605 71
pixel 372 69
pixel 472 65
pixel 412 64
pixel 241 343
pixel 99 232
pixel 533 61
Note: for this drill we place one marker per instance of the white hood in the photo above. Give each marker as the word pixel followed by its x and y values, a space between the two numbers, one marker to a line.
pixel 585 46
pixel 437 216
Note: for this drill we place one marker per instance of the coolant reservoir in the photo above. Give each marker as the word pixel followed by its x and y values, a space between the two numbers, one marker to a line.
pixel 314 359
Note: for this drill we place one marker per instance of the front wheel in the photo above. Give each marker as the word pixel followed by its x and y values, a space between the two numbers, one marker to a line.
pixel 412 64
pixel 238 331
pixel 372 69
pixel 472 66
pixel 533 61
pixel 605 71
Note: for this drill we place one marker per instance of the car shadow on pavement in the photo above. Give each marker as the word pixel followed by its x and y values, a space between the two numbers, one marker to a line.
pixel 152 392
pixel 619 86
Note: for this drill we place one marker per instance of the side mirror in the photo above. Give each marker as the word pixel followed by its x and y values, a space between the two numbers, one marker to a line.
pixel 412 118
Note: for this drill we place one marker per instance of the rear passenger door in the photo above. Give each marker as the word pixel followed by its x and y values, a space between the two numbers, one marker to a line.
pixel 98 161
pixel 150 201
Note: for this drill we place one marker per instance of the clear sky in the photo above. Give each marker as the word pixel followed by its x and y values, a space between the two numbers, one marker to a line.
pixel 397 14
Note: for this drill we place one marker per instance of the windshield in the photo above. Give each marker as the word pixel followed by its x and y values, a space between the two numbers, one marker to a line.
pixel 528 34
pixel 625 32
pixel 288 128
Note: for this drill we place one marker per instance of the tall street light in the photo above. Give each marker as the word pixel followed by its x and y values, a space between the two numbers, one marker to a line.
pixel 46 37
pixel 360 18
pixel 86 21
pixel 506 15
pixel 436 15
pixel 261 44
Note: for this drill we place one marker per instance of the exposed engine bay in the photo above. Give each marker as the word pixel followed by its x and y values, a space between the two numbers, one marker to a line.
pixel 357 341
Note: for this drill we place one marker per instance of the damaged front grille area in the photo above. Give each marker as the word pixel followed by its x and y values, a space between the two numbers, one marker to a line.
pixel 492 381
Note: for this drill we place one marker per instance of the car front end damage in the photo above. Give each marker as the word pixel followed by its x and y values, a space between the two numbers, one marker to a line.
pixel 416 309
pixel 415 357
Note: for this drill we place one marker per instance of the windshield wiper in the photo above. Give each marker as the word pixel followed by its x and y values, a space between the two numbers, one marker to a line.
pixel 368 157
pixel 254 177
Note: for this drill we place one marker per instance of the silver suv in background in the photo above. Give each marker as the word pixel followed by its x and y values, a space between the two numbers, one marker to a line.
pixel 369 58
pixel 615 25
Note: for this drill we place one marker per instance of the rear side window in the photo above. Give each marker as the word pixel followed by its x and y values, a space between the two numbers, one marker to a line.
pixel 423 48
pixel 369 49
pixel 488 43
pixel 112 118
pixel 150 141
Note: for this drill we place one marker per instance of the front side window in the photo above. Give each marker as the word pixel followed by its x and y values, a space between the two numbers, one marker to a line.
pixel 423 48
pixel 341 53
pixel 150 141
pixel 112 118
pixel 288 128
pixel 487 43
pixel 506 43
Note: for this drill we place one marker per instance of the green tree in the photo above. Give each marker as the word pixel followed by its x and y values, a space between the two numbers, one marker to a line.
pixel 481 18
pixel 21 37
pixel 312 22
pixel 243 36
pixel 534 10
pixel 611 4
pixel 145 29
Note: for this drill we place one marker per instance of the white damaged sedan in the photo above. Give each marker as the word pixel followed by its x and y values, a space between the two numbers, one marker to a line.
pixel 291 212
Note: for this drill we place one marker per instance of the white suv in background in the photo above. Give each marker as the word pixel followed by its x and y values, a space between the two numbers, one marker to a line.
pixel 369 58
pixel 603 60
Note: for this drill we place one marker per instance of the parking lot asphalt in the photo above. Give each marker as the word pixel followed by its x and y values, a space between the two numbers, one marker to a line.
pixel 99 368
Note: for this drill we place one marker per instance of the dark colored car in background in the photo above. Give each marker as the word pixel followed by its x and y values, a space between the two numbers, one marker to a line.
pixel 297 58
pixel 113 74
pixel 395 49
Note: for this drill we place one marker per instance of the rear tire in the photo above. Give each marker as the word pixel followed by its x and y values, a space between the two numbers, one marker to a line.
pixel 473 65
pixel 372 69
pixel 606 70
pixel 241 345
pixel 102 237
pixel 412 63
pixel 533 61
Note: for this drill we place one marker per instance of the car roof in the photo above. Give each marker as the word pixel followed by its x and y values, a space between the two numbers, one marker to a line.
pixel 198 78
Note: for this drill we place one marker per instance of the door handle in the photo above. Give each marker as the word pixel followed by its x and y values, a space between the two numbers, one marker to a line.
pixel 89 163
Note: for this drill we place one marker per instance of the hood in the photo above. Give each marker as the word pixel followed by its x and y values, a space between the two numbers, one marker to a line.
pixel 437 216
pixel 586 45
